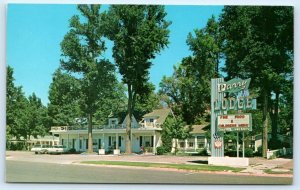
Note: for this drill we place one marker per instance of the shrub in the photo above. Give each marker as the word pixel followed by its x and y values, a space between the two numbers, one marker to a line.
pixel 258 152
pixel 203 152
pixel 248 152
pixel 72 151
pixel 161 150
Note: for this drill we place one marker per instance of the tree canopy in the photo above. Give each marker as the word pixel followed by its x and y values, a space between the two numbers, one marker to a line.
pixel 138 33
pixel 82 48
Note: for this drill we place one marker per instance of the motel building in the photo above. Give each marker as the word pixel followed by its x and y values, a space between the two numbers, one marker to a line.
pixel 110 138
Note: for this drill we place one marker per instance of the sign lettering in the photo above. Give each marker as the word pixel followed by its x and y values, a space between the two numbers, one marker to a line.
pixel 239 122
pixel 234 85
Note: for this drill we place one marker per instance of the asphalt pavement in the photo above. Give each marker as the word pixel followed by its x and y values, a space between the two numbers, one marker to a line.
pixel 65 167
pixel 31 172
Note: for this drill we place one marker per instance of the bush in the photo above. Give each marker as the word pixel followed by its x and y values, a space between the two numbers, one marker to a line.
pixel 148 149
pixel 232 153
pixel 258 152
pixel 161 150
pixel 248 152
pixel 72 151
pixel 203 152
pixel 15 146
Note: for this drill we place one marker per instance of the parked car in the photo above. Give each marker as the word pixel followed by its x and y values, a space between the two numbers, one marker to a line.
pixel 40 149
pixel 57 149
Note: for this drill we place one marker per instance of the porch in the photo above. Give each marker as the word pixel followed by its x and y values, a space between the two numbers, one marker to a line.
pixel 109 141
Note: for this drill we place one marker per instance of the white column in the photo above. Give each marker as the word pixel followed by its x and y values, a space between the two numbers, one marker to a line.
pixel 103 144
pixel 117 141
pixel 78 147
pixel 132 143
pixel 195 145
pixel 68 142
pixel 154 143
pixel 186 144
pixel 52 139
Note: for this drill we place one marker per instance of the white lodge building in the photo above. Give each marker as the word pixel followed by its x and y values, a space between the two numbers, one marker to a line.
pixel 110 137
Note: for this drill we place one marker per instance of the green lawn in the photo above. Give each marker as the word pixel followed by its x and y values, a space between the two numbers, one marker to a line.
pixel 270 171
pixel 162 165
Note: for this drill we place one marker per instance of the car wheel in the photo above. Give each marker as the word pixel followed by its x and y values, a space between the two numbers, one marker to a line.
pixel 36 152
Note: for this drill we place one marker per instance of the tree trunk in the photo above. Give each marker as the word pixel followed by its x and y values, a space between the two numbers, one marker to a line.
pixel 265 126
pixel 128 123
pixel 90 135
pixel 275 122
pixel 175 152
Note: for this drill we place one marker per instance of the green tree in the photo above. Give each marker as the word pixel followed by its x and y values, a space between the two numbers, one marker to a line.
pixel 64 99
pixel 189 86
pixel 138 33
pixel 82 48
pixel 146 103
pixel 16 108
pixel 258 44
pixel 114 102
pixel 175 128
pixel 37 117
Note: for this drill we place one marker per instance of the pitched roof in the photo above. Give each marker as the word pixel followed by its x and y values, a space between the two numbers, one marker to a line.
pixel 197 129
pixel 161 114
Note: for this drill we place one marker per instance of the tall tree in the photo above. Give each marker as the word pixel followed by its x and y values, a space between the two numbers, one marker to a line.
pixel 37 117
pixel 64 97
pixel 16 108
pixel 138 33
pixel 114 103
pixel 82 48
pixel 258 43
pixel 175 129
pixel 147 103
pixel 189 86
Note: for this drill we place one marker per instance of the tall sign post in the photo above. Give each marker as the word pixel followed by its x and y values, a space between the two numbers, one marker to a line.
pixel 225 96
pixel 217 145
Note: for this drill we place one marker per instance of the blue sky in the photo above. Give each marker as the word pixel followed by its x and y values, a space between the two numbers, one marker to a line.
pixel 34 33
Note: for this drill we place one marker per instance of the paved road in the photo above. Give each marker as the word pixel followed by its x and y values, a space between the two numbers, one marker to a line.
pixel 24 171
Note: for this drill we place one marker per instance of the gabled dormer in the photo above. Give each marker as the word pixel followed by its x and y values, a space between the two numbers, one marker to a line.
pixel 113 121
pixel 155 118
pixel 134 123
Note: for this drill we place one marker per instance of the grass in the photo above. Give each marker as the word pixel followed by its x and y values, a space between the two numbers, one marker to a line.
pixel 162 165
pixel 270 171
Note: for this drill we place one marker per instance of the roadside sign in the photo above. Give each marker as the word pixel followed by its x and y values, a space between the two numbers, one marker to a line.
pixel 237 122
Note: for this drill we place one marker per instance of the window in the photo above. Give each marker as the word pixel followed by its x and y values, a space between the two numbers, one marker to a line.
pixel 191 144
pixel 73 143
pixel 99 143
pixel 86 143
pixel 80 144
pixel 200 144
pixel 200 141
pixel 120 143
pixel 181 144
pixel 109 141
pixel 141 141
pixel 151 120
pixel 62 141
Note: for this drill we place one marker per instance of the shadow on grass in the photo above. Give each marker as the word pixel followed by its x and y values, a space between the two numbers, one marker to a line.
pixel 199 161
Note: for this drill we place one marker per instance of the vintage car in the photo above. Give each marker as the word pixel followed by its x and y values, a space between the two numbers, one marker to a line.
pixel 57 149
pixel 40 149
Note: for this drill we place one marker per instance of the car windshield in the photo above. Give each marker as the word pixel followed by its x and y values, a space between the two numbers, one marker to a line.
pixel 37 146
